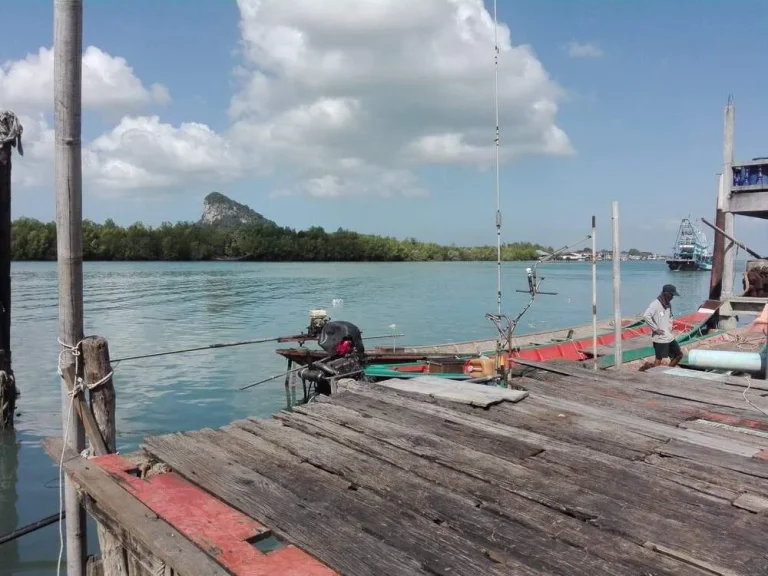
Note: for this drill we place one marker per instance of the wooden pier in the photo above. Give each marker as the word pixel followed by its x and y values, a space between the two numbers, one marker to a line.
pixel 617 473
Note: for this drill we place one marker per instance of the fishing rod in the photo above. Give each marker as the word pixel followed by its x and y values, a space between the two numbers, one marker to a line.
pixel 239 343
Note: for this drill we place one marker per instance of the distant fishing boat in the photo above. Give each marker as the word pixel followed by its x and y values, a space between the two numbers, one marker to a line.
pixel 691 251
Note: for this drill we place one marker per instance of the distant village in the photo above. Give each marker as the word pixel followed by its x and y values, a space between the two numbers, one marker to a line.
pixel 586 255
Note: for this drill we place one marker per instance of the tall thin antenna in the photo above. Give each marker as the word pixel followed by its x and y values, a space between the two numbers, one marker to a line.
pixel 498 144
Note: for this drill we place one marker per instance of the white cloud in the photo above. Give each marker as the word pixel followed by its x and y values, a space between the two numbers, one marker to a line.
pixel 335 99
pixel 584 50
pixel 146 153
pixel 108 83
pixel 341 92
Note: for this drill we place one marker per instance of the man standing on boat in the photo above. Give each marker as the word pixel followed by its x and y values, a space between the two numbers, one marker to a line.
pixel 659 317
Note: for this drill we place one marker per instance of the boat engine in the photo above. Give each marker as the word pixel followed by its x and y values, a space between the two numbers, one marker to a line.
pixel 344 344
pixel 317 321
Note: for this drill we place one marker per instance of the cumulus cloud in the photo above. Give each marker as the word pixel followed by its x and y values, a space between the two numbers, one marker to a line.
pixel 145 153
pixel 108 83
pixel 334 98
pixel 341 92
pixel 584 50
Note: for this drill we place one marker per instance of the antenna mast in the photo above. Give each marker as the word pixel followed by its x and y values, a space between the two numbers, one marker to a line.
pixel 498 144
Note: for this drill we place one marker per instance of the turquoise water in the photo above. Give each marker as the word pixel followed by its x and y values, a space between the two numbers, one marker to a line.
pixel 148 307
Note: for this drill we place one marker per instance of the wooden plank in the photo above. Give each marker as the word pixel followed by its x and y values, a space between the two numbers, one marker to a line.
pixel 136 522
pixel 438 548
pixel 712 398
pixel 450 390
pixel 583 467
pixel 568 527
pixel 729 481
pixel 715 457
pixel 472 438
pixel 736 381
pixel 316 529
pixel 617 512
pixel 435 502
pixel 751 502
pixel 542 432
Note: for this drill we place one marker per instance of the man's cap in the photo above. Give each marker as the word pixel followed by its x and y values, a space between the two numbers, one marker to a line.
pixel 671 289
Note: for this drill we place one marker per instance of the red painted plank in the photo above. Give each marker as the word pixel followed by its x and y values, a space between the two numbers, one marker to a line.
pixel 734 421
pixel 762 455
pixel 218 529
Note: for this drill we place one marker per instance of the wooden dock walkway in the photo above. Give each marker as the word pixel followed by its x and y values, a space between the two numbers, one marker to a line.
pixel 623 474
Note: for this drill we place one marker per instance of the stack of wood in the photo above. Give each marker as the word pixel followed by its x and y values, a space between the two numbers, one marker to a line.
pixel 756 282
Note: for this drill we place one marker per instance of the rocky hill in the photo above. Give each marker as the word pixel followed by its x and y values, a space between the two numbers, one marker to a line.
pixel 218 210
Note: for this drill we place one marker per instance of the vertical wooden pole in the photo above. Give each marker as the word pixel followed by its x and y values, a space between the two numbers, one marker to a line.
pixel 67 93
pixel 594 293
pixel 10 132
pixel 718 249
pixel 288 373
pixel 729 251
pixel 98 374
pixel 617 352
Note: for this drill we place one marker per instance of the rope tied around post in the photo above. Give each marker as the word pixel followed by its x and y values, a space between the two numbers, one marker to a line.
pixel 11 131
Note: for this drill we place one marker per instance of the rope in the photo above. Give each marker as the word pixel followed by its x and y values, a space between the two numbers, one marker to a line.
pixel 11 130
pixel 77 388
pixel 747 400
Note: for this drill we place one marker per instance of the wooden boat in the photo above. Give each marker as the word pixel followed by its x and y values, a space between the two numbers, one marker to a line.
pixel 636 345
pixel 446 352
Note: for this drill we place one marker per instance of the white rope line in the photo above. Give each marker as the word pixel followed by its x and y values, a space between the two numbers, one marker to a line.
pixel 748 401
pixel 76 389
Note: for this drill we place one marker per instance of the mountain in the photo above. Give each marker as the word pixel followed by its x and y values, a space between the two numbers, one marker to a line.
pixel 218 210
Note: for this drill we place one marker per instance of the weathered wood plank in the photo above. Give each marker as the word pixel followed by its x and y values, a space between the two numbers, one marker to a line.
pixel 135 524
pixel 568 525
pixel 715 457
pixel 314 528
pixel 528 422
pixel 439 549
pixel 707 378
pixel 732 399
pixel 751 502
pixel 452 391
pixel 434 502
pixel 475 439
pixel 616 512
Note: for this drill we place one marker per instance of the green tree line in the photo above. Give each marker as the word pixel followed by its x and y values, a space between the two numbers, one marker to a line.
pixel 186 241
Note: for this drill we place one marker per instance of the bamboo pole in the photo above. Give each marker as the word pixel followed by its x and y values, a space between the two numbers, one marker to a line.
pixel 67 93
pixel 594 294
pixel 98 374
pixel 616 286
pixel 7 381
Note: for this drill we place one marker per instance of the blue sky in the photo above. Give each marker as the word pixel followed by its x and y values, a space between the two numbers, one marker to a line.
pixel 643 118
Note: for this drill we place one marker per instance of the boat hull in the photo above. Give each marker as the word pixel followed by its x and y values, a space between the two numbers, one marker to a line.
pixel 682 265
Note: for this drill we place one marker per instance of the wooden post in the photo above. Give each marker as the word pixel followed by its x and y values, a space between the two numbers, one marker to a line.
pixel 729 250
pixel 617 352
pixel 718 249
pixel 10 136
pixel 594 294
pixel 67 94
pixel 288 373
pixel 98 375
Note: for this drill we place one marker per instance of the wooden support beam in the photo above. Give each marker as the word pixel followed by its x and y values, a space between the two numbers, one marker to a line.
pixel 98 375
pixel 10 136
pixel 139 529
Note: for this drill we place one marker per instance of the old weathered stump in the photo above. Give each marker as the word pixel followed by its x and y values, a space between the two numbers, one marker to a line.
pixel 98 375
pixel 8 391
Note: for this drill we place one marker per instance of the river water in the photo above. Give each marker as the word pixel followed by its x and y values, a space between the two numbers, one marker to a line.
pixel 150 307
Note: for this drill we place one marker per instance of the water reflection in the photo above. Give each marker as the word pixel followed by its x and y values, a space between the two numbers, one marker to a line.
pixel 9 515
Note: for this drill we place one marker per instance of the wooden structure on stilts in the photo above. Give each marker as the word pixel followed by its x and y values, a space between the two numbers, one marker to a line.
pixel 639 473
pixel 10 138
pixel 743 191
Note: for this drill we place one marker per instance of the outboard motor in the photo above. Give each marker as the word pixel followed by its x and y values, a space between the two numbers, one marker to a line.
pixel 343 342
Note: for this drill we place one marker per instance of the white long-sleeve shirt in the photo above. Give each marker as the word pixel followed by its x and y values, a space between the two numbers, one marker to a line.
pixel 660 321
